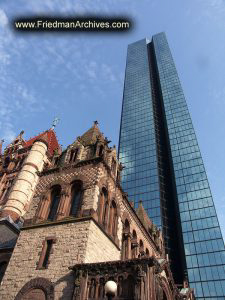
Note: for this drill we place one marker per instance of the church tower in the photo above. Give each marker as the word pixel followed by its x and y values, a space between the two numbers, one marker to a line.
pixel 80 230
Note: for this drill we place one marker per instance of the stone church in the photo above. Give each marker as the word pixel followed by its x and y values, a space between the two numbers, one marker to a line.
pixel 67 227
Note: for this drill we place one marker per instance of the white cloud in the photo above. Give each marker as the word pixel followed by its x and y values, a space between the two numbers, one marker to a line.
pixel 3 18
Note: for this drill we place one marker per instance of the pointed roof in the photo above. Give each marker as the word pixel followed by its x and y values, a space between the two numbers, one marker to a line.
pixel 92 135
pixel 143 216
pixel 48 137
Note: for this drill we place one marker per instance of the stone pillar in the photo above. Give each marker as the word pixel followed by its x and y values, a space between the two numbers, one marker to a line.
pixel 134 247
pixel 26 181
pixel 126 249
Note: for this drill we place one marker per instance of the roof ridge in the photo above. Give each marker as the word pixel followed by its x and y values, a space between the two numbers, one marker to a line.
pixel 43 132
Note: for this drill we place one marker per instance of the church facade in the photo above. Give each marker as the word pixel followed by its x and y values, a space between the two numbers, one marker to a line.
pixel 67 227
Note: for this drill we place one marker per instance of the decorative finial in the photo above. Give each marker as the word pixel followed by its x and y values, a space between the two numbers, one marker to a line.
pixel 21 133
pixel 55 122
pixel 95 123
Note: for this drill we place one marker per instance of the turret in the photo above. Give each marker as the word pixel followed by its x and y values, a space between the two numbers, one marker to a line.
pixel 26 181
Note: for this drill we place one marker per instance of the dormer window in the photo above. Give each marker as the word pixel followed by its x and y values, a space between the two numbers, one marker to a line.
pixel 73 155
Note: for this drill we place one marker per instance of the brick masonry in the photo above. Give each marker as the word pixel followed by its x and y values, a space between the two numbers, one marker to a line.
pixel 81 239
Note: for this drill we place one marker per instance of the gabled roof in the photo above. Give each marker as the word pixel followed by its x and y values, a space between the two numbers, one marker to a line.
pixel 143 216
pixel 50 137
pixel 92 135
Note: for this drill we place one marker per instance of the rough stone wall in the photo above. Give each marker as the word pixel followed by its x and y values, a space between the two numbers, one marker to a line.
pixel 71 240
pixel 75 243
pixel 99 246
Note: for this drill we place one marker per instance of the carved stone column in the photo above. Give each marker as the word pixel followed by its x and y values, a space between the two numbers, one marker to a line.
pixel 96 287
pixel 126 246
pixel 140 283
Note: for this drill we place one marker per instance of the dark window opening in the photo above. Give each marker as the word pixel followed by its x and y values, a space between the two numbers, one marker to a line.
pixel 101 150
pixel 113 166
pixel 3 266
pixel 55 197
pixel 49 244
pixel 6 162
pixel 102 206
pixel 73 155
pixel 76 198
pixel 56 161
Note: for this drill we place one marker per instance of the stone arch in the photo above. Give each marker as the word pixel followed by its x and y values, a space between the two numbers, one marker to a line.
pixel 166 289
pixel 79 177
pixel 103 182
pixel 53 183
pixel 125 217
pixel 38 283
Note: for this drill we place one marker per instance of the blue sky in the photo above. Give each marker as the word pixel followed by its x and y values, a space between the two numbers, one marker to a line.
pixel 79 77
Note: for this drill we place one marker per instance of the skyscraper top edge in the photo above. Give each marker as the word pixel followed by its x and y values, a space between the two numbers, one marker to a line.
pixel 147 39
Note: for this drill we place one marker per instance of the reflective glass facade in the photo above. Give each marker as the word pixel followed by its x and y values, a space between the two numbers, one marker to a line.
pixel 164 167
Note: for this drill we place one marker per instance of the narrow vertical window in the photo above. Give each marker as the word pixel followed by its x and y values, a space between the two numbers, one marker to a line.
pixel 73 155
pixel 76 198
pixel 55 197
pixel 102 206
pixel 113 168
pixel 101 150
pixel 46 252
pixel 49 244
pixel 113 219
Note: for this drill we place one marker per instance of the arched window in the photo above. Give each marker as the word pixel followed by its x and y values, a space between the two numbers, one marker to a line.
pixel 35 294
pixel 126 240
pixel 105 214
pixel 102 208
pixel 76 196
pixel 3 266
pixel 141 247
pixel 55 197
pixel 126 226
pixel 113 219
pixel 134 236
pixel 147 252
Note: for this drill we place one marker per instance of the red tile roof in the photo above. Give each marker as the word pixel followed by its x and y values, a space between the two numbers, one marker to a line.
pixel 51 139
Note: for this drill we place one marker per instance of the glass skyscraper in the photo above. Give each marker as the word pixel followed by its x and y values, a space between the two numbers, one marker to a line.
pixel 164 167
